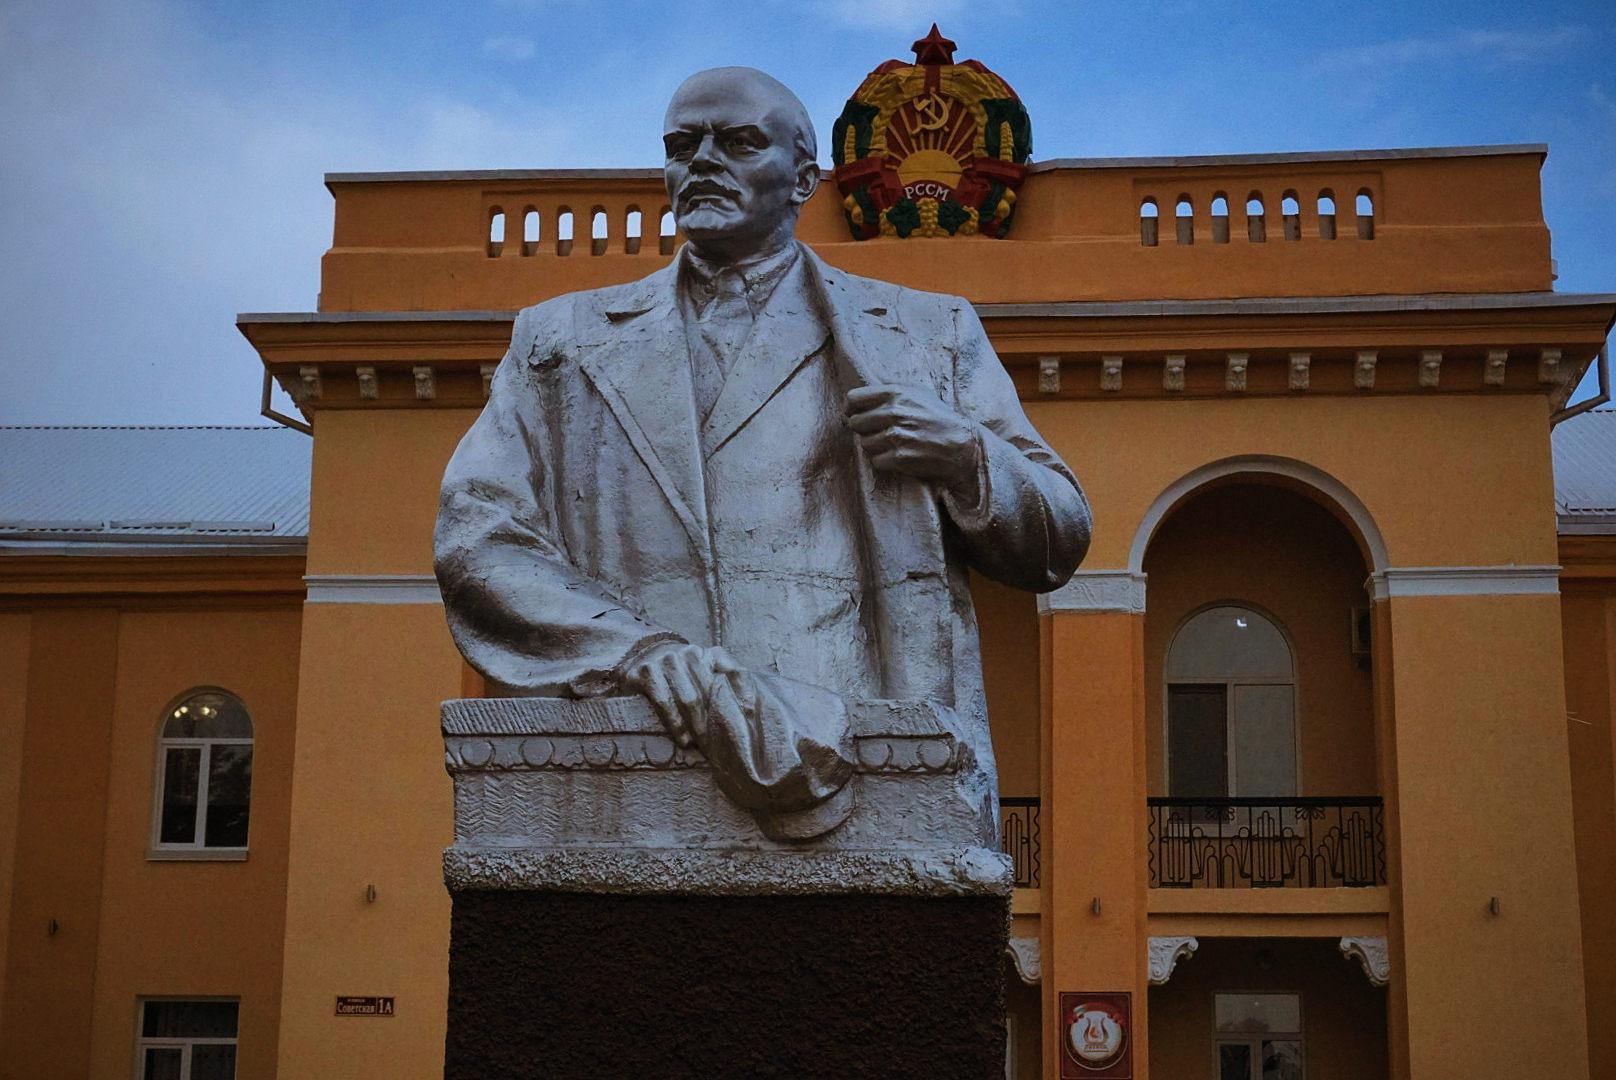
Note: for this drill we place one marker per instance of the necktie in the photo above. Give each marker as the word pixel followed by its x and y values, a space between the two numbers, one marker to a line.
pixel 724 325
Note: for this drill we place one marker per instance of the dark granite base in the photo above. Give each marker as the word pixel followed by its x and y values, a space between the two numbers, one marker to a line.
pixel 567 985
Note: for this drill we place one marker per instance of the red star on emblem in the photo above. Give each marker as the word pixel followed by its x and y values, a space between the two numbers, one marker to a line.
pixel 934 48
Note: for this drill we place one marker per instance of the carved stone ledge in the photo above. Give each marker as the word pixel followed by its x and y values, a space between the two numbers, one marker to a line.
pixel 1165 953
pixel 640 872
pixel 1027 955
pixel 1371 953
pixel 1097 591
pixel 592 796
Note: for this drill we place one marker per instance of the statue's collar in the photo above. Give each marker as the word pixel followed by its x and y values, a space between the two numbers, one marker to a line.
pixel 699 278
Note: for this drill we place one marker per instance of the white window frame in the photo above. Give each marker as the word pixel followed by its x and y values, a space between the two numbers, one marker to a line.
pixel 1229 685
pixel 1254 1038
pixel 197 850
pixel 181 1043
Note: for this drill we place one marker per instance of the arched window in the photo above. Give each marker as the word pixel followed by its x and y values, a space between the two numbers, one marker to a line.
pixel 530 232
pixel 204 777
pixel 496 232
pixel 1184 213
pixel 563 231
pixel 665 229
pixel 1256 227
pixel 1149 214
pixel 597 232
pixel 1231 707
pixel 1290 211
pixel 1366 215
pixel 1326 214
pixel 1220 218
pixel 631 231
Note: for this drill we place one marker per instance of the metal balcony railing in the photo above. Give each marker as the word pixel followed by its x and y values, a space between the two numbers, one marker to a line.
pixel 1018 835
pixel 1229 843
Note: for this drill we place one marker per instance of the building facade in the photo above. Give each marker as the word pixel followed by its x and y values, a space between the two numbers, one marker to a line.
pixel 1312 759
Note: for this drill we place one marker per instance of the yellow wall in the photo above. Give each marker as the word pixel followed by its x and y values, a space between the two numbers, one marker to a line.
pixel 1588 614
pixel 61 822
pixel 1007 621
pixel 196 928
pixel 1285 554
pixel 1469 483
pixel 1484 810
pixel 16 633
pixel 371 804
pixel 82 693
pixel 1343 1016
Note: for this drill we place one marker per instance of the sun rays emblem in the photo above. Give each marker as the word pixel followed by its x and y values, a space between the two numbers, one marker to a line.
pixel 932 148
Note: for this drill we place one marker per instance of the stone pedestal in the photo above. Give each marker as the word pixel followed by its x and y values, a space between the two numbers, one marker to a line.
pixel 615 915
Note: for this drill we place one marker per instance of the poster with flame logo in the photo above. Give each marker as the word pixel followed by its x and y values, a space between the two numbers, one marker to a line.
pixel 932 148
pixel 1096 1036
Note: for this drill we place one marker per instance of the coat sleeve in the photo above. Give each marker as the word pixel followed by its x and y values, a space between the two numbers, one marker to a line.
pixel 1030 526
pixel 520 612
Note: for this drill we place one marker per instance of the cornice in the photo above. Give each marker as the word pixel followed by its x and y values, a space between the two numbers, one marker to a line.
pixel 78 577
pixel 1531 343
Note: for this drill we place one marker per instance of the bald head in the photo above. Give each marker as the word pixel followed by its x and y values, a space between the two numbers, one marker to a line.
pixel 741 161
pixel 757 87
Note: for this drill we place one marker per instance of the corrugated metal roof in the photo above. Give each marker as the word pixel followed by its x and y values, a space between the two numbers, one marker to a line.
pixel 1585 472
pixel 91 488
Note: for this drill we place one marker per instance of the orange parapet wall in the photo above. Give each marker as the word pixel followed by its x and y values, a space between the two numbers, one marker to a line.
pixel 1447 220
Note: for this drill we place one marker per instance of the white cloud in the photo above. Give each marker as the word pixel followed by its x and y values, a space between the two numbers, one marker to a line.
pixel 510 48
pixel 1499 46
pixel 146 200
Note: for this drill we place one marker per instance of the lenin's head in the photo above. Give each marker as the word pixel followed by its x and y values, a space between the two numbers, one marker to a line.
pixel 741 162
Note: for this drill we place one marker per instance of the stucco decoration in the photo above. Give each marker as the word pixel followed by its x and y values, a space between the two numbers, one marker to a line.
pixel 932 148
pixel 1234 377
pixel 595 796
pixel 1431 368
pixel 1497 364
pixel 1027 955
pixel 1371 953
pixel 710 543
pixel 1111 373
pixel 1165 953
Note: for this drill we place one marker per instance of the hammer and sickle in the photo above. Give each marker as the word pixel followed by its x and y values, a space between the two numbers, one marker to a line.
pixel 931 112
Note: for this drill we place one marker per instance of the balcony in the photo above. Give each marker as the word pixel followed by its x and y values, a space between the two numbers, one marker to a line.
pixel 1236 843
pixel 1018 836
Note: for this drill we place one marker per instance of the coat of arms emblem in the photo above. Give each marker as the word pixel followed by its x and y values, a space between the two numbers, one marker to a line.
pixel 932 148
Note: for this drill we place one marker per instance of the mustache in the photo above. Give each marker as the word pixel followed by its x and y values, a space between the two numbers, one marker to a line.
pixel 706 186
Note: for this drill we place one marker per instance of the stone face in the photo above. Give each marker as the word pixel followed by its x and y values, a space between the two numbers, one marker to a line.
pixel 561 986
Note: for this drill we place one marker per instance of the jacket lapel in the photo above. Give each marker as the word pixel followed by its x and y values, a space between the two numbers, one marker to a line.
pixel 789 332
pixel 634 352
pixel 910 598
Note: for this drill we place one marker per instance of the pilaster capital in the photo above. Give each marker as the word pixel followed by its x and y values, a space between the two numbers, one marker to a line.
pixel 1092 591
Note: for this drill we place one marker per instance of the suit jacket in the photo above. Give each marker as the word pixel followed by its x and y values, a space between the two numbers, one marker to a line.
pixel 588 515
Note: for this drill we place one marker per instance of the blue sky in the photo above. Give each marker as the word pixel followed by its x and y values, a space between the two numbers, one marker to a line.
pixel 162 159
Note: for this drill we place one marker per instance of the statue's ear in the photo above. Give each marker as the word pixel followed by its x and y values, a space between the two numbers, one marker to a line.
pixel 807 182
